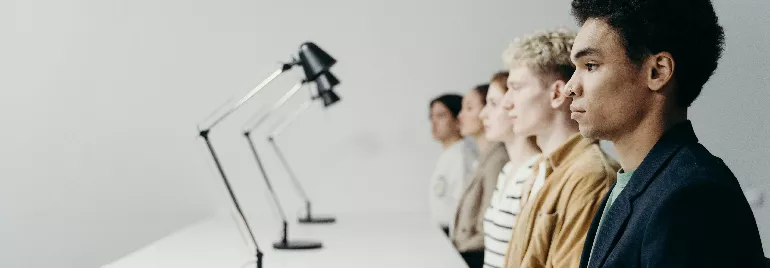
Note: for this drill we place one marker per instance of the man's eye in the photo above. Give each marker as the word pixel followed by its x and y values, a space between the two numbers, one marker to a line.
pixel 591 66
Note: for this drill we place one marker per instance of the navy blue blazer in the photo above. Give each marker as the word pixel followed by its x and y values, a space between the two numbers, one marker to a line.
pixel 682 207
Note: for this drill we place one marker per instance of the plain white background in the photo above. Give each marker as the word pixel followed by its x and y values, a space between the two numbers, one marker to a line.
pixel 99 102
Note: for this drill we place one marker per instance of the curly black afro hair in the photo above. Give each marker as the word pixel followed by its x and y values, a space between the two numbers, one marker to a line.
pixel 688 29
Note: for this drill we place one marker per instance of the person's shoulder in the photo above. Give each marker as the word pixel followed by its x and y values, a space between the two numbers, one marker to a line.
pixel 694 173
pixel 695 179
pixel 500 153
pixel 593 172
pixel 468 145
pixel 701 158
pixel 460 150
pixel 693 164
pixel 594 163
pixel 496 161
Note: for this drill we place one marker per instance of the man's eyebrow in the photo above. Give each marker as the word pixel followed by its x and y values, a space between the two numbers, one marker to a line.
pixel 589 51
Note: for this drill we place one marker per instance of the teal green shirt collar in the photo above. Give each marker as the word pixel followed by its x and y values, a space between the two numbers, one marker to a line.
pixel 623 178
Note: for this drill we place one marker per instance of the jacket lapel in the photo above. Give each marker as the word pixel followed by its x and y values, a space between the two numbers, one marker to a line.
pixel 616 220
pixel 617 217
pixel 589 243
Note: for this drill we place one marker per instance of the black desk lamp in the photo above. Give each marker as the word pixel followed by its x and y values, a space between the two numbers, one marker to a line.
pixel 325 85
pixel 314 62
pixel 284 243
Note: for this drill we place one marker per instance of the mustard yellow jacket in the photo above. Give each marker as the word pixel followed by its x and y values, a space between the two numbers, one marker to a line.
pixel 552 226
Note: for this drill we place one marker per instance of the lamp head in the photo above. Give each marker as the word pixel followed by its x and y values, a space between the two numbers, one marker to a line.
pixel 329 97
pixel 314 60
pixel 325 84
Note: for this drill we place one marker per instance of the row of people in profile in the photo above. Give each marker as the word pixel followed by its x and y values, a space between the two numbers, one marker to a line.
pixel 523 182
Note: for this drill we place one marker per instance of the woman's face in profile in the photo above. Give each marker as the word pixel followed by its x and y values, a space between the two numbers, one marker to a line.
pixel 497 124
pixel 470 123
pixel 443 124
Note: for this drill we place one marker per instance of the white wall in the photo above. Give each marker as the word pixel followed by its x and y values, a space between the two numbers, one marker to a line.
pixel 100 100
pixel 732 116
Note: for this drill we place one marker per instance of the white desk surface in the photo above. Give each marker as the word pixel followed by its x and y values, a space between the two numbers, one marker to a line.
pixel 356 240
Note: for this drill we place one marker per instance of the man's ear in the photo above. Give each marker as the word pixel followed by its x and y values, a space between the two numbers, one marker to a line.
pixel 556 91
pixel 659 70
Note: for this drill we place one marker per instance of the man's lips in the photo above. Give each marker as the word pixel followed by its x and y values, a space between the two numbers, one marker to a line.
pixel 576 109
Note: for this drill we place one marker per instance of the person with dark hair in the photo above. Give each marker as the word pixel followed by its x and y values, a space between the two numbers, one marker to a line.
pixel 640 65
pixel 450 177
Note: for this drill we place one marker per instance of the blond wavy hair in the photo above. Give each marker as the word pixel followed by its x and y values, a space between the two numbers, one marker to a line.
pixel 546 53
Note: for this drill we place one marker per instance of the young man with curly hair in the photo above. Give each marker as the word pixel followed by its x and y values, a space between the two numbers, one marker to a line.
pixel 640 65
pixel 573 174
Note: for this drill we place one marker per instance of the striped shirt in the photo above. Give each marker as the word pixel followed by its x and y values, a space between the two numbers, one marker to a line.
pixel 503 209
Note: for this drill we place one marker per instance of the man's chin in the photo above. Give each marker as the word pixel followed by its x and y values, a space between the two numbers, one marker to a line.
pixel 589 132
pixel 524 132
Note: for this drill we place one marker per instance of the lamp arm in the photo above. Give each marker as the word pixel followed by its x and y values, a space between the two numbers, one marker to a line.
pixel 285 67
pixel 286 122
pixel 277 105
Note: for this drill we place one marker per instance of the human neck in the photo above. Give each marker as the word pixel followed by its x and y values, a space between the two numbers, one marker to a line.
pixel 634 145
pixel 481 142
pixel 558 131
pixel 451 141
pixel 520 150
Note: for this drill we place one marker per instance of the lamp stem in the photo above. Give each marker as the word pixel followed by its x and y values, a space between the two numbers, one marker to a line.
pixel 265 176
pixel 259 259
pixel 205 135
pixel 285 238
pixel 289 171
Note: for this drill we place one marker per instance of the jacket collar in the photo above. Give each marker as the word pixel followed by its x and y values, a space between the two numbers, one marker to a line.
pixel 571 148
pixel 671 141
